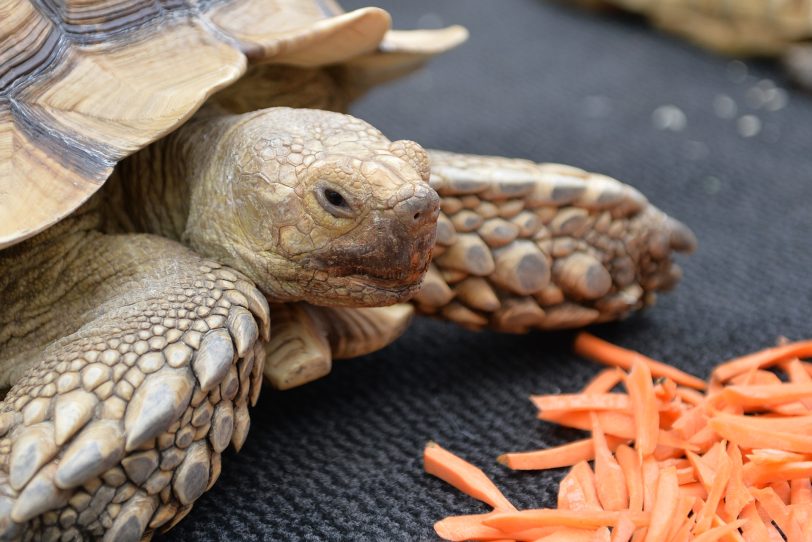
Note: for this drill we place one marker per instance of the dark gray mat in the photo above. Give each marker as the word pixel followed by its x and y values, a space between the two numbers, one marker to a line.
pixel 339 459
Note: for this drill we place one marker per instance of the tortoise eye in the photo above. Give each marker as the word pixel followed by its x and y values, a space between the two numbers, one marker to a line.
pixel 334 202
pixel 334 198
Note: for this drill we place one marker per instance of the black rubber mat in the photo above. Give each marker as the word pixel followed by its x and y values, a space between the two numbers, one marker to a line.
pixel 340 459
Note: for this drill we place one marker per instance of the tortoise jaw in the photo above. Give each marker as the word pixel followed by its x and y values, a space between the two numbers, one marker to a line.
pixel 388 269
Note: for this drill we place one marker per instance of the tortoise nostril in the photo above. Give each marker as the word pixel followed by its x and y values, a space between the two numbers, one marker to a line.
pixel 419 210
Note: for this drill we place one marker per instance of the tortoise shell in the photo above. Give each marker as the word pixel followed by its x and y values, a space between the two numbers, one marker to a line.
pixel 85 83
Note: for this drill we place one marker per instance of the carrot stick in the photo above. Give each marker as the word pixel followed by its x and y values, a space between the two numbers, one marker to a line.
pixel 470 527
pixel 644 405
pixel 758 475
pixel 769 456
pixel 464 476
pixel 604 381
pixel 781 488
pixel 651 474
pixel 779 513
pixel 766 395
pixel 586 478
pixel 718 532
pixel 465 528
pixel 750 432
pixel 795 371
pixel 762 359
pixel 690 396
pixel 691 422
pixel 570 534
pixel 680 514
pixel 801 491
pixel 704 473
pixel 582 401
pixel 611 484
pixel 754 529
pixel 565 455
pixel 666 499
pixel 590 346
pixel 736 496
pixel 623 529
pixel 571 495
pixel 543 517
pixel 715 493
pixel 683 534
pixel 629 463
pixel 694 489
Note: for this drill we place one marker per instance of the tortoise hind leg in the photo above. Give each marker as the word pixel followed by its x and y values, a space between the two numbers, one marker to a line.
pixel 307 338
pixel 116 429
pixel 522 245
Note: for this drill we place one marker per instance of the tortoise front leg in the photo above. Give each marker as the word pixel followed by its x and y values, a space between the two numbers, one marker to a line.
pixel 522 245
pixel 116 428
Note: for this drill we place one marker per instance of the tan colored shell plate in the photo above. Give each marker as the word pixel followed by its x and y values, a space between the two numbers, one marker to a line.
pixel 78 95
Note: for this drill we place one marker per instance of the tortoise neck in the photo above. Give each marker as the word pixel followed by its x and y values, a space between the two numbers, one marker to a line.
pixel 151 190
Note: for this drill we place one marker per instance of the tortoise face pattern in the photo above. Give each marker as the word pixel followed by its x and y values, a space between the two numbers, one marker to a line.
pixel 322 207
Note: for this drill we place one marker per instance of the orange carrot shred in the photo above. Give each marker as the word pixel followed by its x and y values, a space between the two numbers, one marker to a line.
pixel 644 406
pixel 582 401
pixel 715 493
pixel 540 517
pixel 565 455
pixel 611 484
pixel 596 349
pixel 464 476
pixel 604 381
pixel 623 529
pixel 729 463
pixel 716 533
pixel 666 499
pixel 629 463
pixel 762 359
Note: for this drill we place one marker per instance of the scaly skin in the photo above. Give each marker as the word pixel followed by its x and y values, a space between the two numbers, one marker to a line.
pixel 523 245
pixel 519 246
pixel 133 358
pixel 116 428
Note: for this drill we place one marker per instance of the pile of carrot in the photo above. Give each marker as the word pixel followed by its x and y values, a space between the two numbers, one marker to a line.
pixel 671 458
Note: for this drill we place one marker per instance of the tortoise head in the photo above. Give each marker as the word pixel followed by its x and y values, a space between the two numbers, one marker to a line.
pixel 317 206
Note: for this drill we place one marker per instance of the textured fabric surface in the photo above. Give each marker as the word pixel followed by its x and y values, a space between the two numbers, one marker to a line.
pixel 340 459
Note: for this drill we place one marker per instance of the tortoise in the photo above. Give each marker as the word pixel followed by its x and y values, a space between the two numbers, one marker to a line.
pixel 760 28
pixel 177 175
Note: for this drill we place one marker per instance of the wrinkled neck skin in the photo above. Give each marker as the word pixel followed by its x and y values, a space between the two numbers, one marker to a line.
pixel 249 191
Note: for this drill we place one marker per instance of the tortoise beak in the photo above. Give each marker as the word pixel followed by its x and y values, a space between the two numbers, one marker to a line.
pixel 390 250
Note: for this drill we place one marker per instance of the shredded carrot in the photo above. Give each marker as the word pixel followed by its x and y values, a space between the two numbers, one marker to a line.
pixel 623 529
pixel 596 349
pixel 604 381
pixel 644 405
pixel 729 463
pixel 762 359
pixel 611 485
pixel 666 500
pixel 542 517
pixel 565 455
pixel 464 476
pixel 582 401
pixel 716 533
